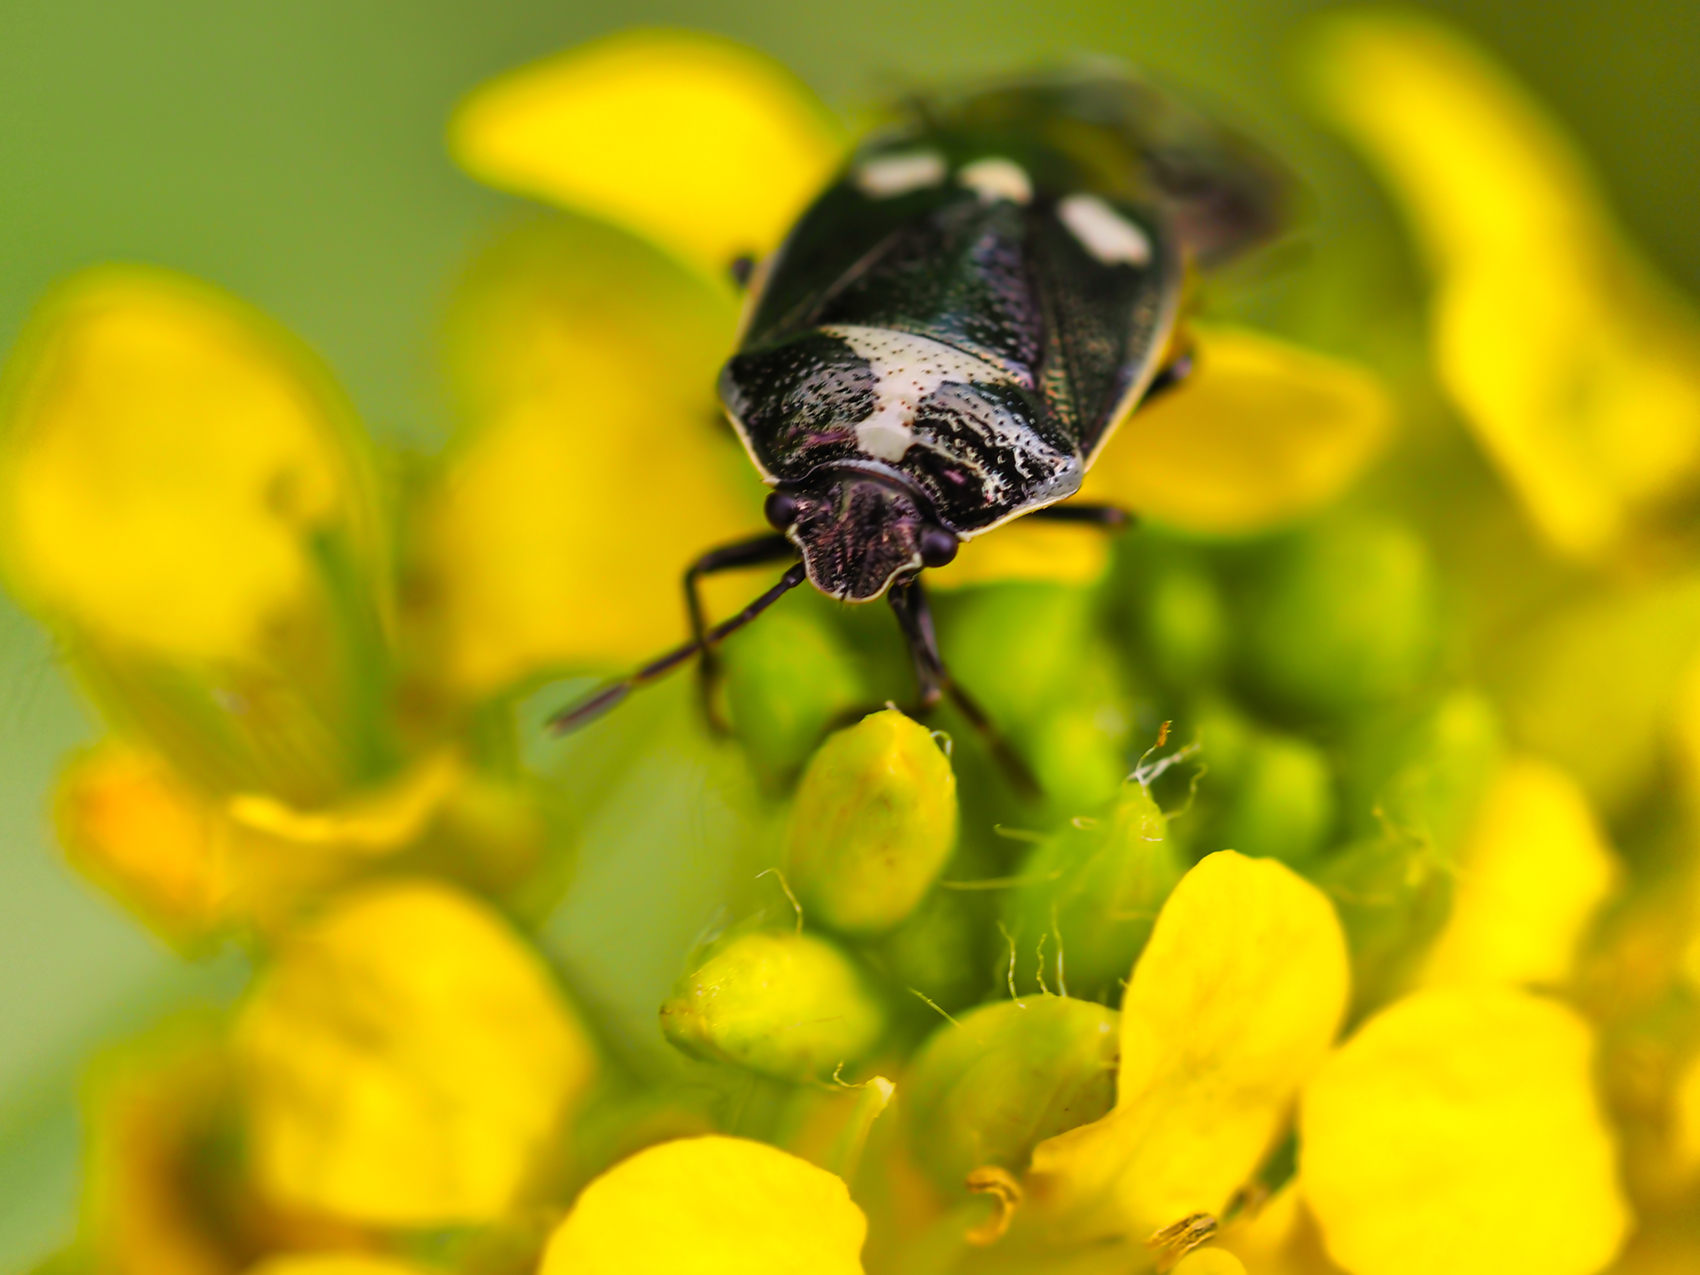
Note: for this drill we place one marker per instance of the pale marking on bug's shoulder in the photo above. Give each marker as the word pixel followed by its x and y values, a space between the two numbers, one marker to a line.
pixel 1110 237
pixel 997 178
pixel 907 368
pixel 888 176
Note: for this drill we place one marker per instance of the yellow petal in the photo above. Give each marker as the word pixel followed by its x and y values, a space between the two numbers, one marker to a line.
pixel 1686 1134
pixel 167 459
pixel 155 1109
pixel 1280 1237
pixel 1579 371
pixel 1458 1130
pixel 192 865
pixel 1638 638
pixel 131 825
pixel 1261 433
pixel 378 821
pixel 597 464
pixel 1533 871
pixel 1209 1261
pixel 1231 1008
pixel 704 146
pixel 710 1206
pixel 1029 549
pixel 335 1264
pixel 407 1059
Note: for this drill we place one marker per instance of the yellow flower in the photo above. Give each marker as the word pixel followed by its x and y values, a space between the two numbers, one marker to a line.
pixel 187 502
pixel 1231 1008
pixel 335 1264
pixel 404 1060
pixel 591 468
pixel 1578 370
pixel 1532 873
pixel 1458 1129
pixel 407 1061
pixel 712 1206
pixel 1443 1114
pixel 162 1190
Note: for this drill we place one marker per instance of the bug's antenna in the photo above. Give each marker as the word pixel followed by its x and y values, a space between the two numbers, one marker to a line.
pixel 605 698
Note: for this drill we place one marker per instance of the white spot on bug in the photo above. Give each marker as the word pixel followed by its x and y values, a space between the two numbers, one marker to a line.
pixel 886 435
pixel 1104 232
pixel 888 176
pixel 997 178
pixel 907 369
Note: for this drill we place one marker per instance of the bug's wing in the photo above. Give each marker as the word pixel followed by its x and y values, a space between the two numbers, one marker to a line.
pixel 1129 139
pixel 1107 318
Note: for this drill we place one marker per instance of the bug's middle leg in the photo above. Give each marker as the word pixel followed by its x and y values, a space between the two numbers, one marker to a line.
pixel 933 679
pixel 753 552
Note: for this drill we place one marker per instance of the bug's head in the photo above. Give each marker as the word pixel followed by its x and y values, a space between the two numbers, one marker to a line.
pixel 858 534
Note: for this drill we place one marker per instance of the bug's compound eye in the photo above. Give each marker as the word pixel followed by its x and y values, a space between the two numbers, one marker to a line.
pixel 781 509
pixel 938 546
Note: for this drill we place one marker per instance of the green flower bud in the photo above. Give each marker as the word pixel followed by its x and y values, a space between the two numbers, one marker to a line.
pixel 987 1089
pixel 936 952
pixel 1283 804
pixel 1089 896
pixel 1393 895
pixel 1039 666
pixel 788 679
pixel 1424 778
pixel 1018 646
pixel 1225 738
pixel 1417 789
pixel 1343 618
pixel 873 824
pixel 1079 755
pixel 1185 624
pixel 787 1005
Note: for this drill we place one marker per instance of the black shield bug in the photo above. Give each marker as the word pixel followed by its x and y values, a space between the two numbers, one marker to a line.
pixel 953 330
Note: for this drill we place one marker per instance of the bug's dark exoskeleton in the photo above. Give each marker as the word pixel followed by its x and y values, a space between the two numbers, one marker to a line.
pixel 955 327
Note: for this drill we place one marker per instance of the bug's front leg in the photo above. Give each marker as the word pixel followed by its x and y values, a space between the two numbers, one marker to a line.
pixel 1109 517
pixel 933 679
pixel 754 552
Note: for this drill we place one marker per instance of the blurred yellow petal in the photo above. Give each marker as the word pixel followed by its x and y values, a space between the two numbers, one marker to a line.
pixel 1686 1131
pixel 160 1190
pixel 1028 549
pixel 167 459
pixel 1209 1261
pixel 710 1206
pixel 1636 638
pixel 376 821
pixel 1458 1130
pixel 1280 1237
pixel 1231 1008
pixel 1533 871
pixel 154 1107
pixel 335 1264
pixel 1261 433
pixel 407 1059
pixel 192 865
pixel 184 497
pixel 1684 725
pixel 1578 370
pixel 704 146
pixel 597 464
pixel 131 825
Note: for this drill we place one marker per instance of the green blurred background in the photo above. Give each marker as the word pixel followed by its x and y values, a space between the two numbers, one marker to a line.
pixel 291 152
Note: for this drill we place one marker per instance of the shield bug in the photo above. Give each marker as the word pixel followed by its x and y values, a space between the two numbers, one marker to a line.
pixel 953 330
